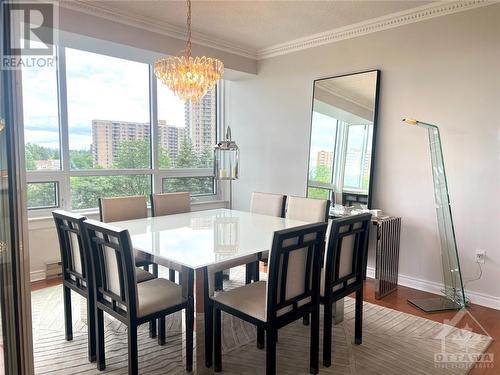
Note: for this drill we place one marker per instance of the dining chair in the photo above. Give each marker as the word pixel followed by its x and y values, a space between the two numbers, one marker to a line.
pixel 268 204
pixel 264 204
pixel 127 208
pixel 292 290
pixel 307 209
pixel 343 273
pixel 170 204
pixel 118 294
pixel 76 274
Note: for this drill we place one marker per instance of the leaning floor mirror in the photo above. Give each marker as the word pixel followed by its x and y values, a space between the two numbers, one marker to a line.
pixel 342 142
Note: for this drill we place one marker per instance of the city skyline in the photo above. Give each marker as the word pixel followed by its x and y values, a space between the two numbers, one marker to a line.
pixel 199 126
pixel 98 87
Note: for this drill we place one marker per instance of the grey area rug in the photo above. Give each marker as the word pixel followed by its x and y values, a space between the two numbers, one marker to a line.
pixel 393 343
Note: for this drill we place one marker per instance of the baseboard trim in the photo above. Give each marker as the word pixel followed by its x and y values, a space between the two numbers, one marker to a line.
pixel 433 287
pixel 37 275
pixel 403 280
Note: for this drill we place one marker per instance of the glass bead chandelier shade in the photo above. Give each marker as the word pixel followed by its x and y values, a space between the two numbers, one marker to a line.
pixel 190 78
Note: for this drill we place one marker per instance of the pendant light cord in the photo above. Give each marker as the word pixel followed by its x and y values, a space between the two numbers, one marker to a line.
pixel 188 47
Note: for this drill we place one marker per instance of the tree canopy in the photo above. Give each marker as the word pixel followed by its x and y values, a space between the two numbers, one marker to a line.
pixel 130 154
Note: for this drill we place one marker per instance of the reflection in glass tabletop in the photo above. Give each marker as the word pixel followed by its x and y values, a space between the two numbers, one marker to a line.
pixel 203 238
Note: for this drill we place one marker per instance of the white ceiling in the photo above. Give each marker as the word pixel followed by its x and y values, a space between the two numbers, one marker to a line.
pixel 257 25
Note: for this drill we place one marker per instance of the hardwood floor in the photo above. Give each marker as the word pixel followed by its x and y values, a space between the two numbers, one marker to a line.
pixel 488 319
pixel 37 285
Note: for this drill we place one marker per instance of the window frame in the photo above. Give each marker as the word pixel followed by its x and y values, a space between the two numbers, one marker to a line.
pixel 57 199
pixel 62 177
pixel 339 163
pixel 364 153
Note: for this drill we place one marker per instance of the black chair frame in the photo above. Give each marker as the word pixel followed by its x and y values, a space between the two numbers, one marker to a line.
pixel 253 269
pixel 276 299
pixel 144 263
pixel 81 283
pixel 359 226
pixel 327 216
pixel 123 307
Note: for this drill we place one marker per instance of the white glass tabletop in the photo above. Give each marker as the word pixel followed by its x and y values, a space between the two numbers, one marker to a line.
pixel 203 238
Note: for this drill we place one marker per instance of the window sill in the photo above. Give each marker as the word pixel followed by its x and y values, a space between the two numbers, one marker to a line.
pixel 46 221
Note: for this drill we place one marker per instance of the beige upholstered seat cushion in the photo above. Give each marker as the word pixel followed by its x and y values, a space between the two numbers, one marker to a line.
pixel 249 299
pixel 267 204
pixel 306 209
pixel 156 295
pixel 123 208
pixel 141 275
pixel 171 203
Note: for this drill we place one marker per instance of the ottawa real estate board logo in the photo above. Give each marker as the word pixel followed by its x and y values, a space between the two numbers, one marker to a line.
pixel 29 34
pixel 461 348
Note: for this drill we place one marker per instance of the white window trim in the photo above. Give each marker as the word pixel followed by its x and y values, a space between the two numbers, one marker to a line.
pixel 62 176
pixel 339 163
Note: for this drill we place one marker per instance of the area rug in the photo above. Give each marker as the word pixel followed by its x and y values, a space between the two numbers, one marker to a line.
pixel 393 343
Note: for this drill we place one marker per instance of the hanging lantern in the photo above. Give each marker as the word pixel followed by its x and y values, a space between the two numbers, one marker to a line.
pixel 226 159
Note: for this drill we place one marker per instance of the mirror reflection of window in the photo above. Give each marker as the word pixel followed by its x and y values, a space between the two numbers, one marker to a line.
pixel 358 158
pixel 323 138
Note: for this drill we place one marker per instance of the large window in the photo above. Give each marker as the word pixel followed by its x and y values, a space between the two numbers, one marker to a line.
pixel 187 134
pixel 89 133
pixel 41 120
pixel 86 190
pixel 108 112
pixel 42 195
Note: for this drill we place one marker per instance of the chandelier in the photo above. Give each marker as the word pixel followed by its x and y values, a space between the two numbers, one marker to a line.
pixel 189 77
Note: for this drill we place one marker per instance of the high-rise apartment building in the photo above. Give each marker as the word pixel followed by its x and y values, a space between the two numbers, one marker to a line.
pixel 201 120
pixel 324 158
pixel 200 126
pixel 106 137
pixel 170 138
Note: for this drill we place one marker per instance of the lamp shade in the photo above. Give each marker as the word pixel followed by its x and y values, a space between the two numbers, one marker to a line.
pixel 226 159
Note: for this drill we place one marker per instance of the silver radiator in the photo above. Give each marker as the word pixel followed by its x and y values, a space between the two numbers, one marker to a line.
pixel 387 255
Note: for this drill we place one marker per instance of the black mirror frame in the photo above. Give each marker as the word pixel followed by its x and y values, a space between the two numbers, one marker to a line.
pixel 375 127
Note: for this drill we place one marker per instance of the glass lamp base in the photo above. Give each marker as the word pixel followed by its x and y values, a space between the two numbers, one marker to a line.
pixel 435 304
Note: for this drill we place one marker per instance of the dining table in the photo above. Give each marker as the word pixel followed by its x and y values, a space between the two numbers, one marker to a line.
pixel 191 242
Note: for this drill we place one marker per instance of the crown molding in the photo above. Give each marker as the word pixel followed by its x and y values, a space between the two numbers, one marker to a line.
pixel 432 10
pixel 97 9
pixel 393 20
pixel 332 91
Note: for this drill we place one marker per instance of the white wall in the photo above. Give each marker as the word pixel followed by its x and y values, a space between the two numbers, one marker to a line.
pixel 444 71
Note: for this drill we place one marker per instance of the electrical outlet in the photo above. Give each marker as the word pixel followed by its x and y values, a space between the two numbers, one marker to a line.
pixel 481 256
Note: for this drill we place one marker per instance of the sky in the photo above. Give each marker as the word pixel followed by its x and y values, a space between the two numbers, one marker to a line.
pixel 98 87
